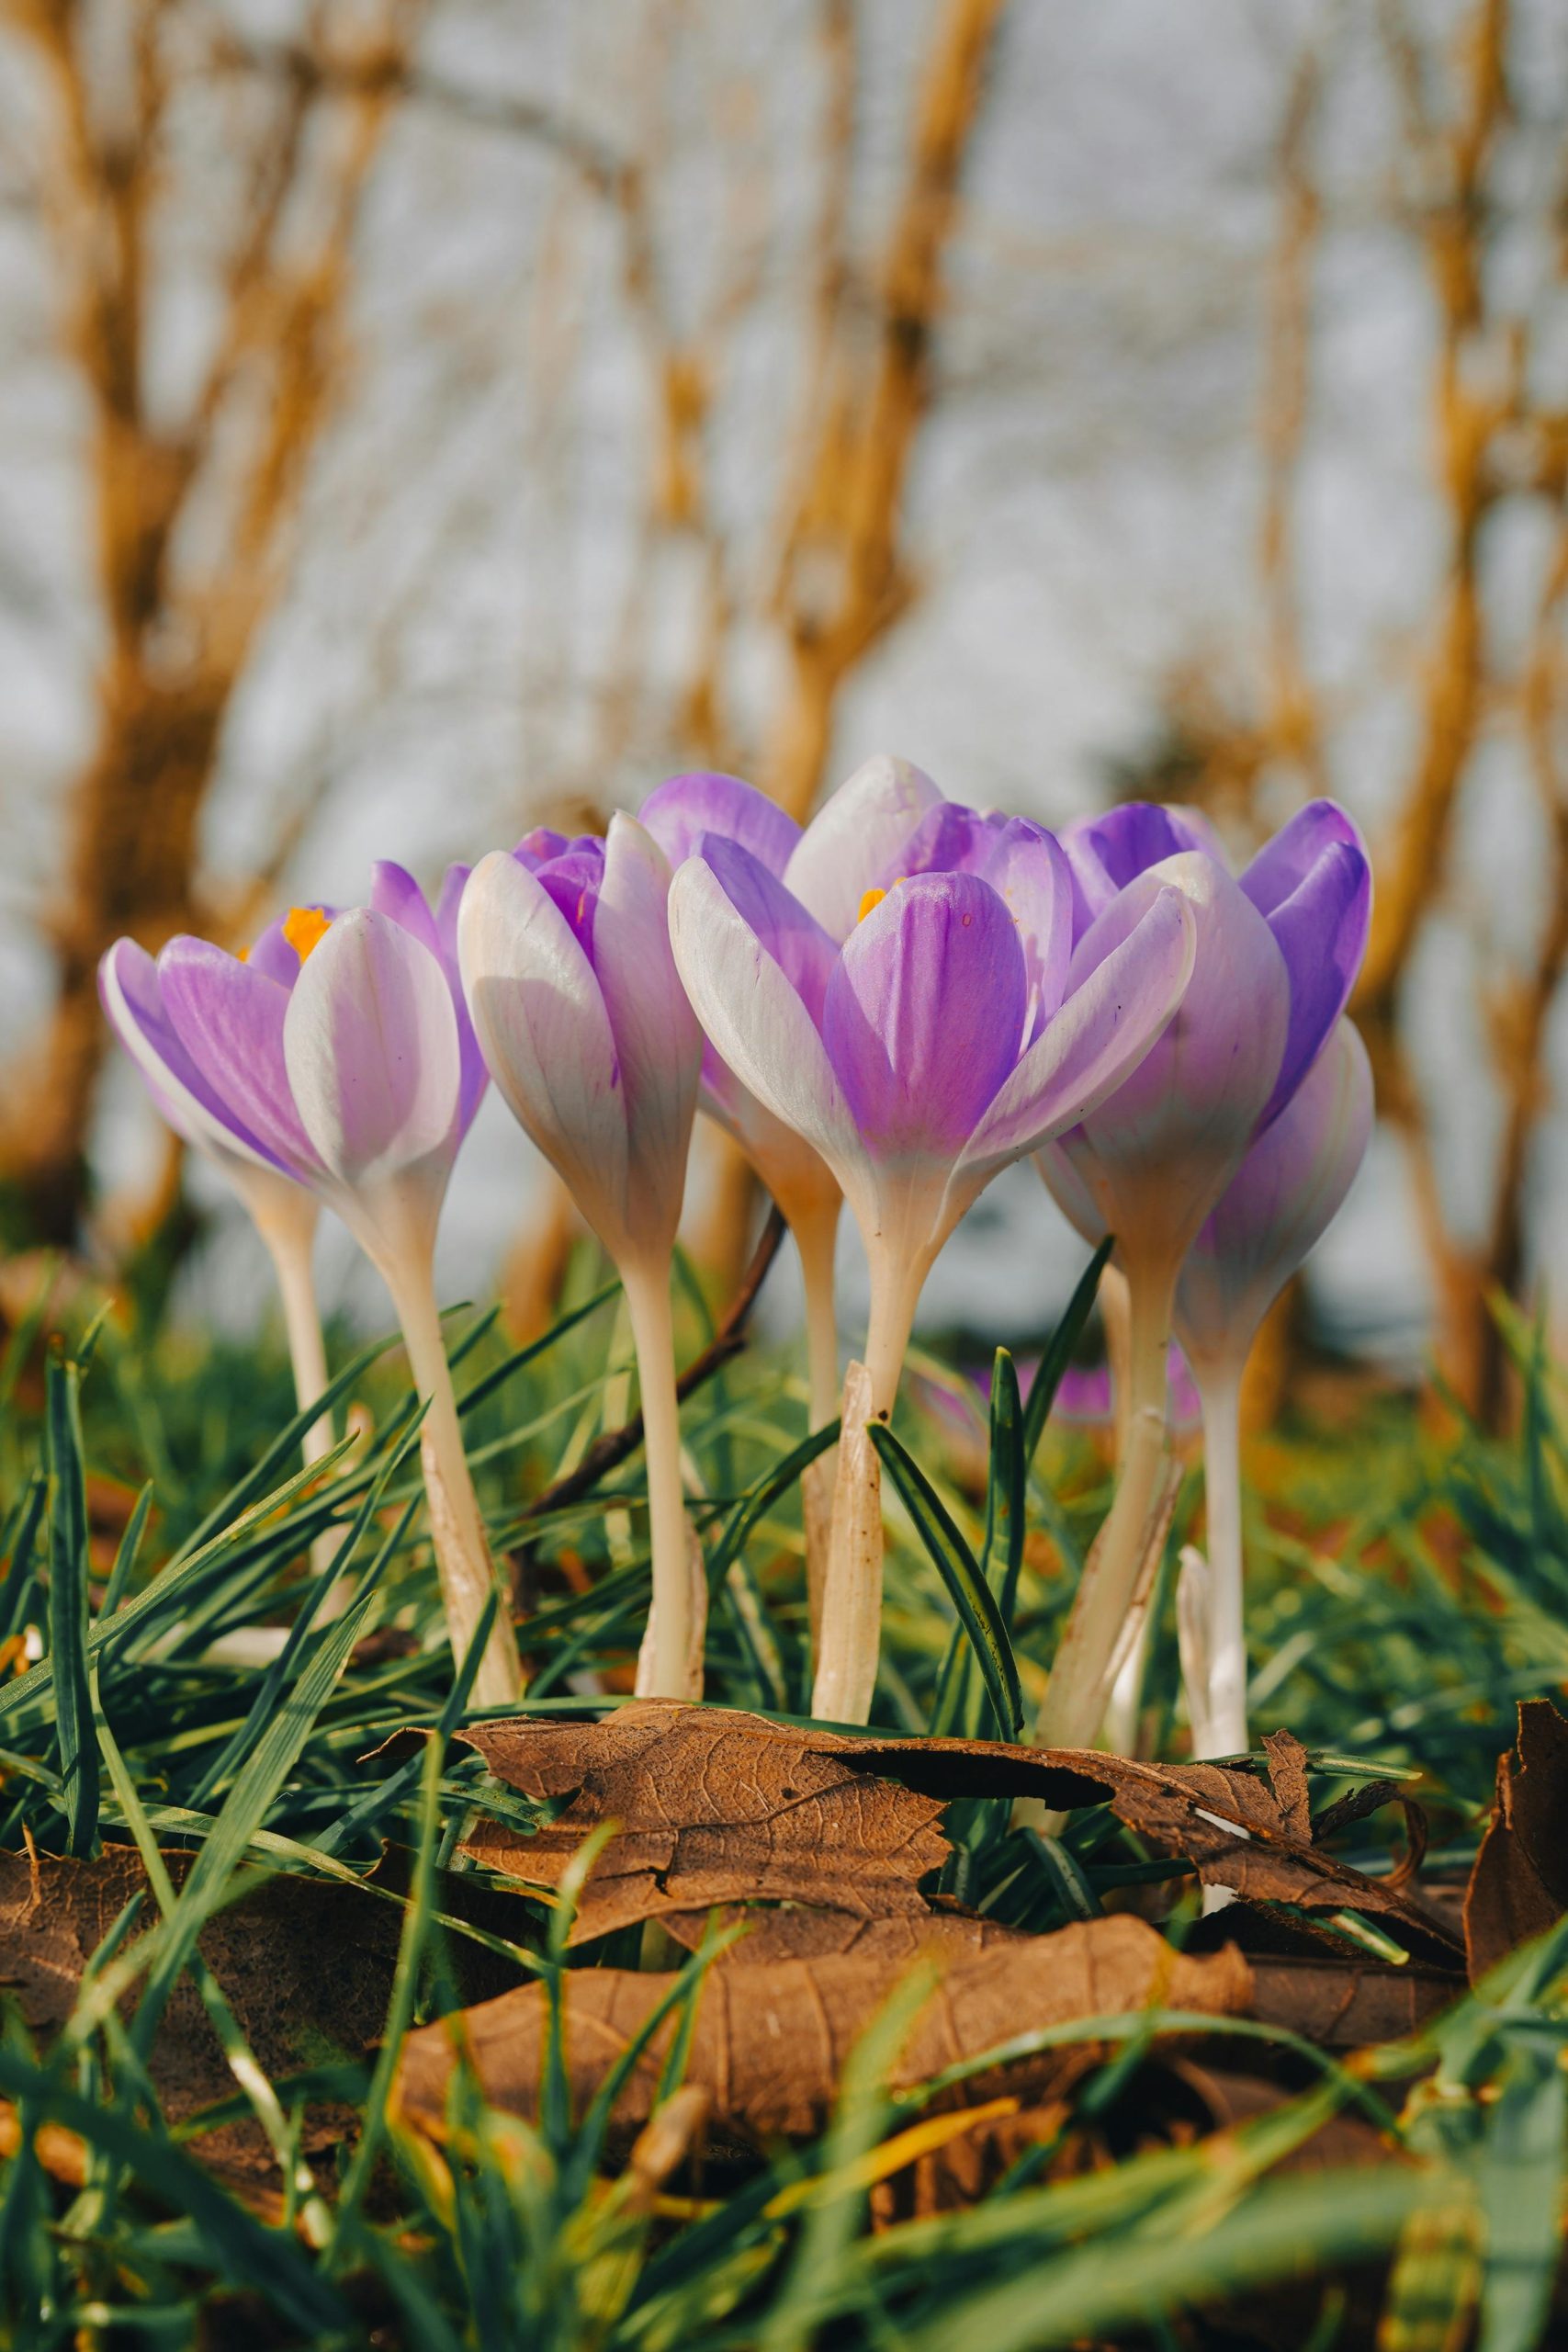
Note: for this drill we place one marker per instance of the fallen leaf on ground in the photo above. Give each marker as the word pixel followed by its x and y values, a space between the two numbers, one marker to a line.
pixel 713 1807
pixel 306 1965
pixel 769 2041
pixel 1520 1885
pixel 1253 1834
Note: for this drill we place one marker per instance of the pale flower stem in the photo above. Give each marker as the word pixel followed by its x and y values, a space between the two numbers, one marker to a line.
pixel 817 1240
pixel 851 1602
pixel 816 1237
pixel 462 1555
pixel 1075 1695
pixel 291 1255
pixel 1115 1314
pixel 290 1244
pixel 647 1289
pixel 1226 1707
pixel 1124 1708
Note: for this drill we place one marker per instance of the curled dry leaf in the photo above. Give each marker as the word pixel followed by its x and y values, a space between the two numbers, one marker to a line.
pixel 769 2040
pixel 713 1806
pixel 1520 1885
pixel 1253 1835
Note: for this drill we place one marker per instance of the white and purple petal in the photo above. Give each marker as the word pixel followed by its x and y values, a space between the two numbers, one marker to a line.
pixel 1278 1205
pixel 924 1015
pixel 1158 1154
pixel 370 1040
pixel 230 1018
pixel 855 837
pixel 658 1042
pixel 132 999
pixel 681 810
pixel 1106 853
pixel 539 1016
pixel 757 1022
pixel 1312 884
pixel 1118 1008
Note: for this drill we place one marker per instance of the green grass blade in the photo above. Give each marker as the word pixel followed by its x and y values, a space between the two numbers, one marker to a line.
pixel 249 1802
pixel 1001 1557
pixel 502 1372
pixel 1059 1350
pixel 68 1615
pixel 169 1593
pixel 16 1592
pixel 125 1555
pixel 411 1949
pixel 1522 2186
pixel 240 1497
pixel 971 1595
pixel 276 1677
pixel 245 2249
pixel 757 1500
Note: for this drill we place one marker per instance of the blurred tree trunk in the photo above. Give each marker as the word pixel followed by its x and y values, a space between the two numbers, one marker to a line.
pixel 192 518
pixel 843 579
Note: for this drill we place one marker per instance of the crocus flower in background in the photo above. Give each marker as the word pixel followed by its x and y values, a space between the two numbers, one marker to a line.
pixel 940 1041
pixel 339 1055
pixel 1278 952
pixel 1276 1208
pixel 566 962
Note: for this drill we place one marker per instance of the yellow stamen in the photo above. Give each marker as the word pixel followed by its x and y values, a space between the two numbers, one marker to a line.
pixel 871 898
pixel 304 928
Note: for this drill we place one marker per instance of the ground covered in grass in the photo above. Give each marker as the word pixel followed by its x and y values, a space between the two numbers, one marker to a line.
pixel 336 2014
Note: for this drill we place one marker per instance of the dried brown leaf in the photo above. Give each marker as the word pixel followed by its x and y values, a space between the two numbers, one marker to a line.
pixel 306 1966
pixel 1344 2004
pixel 713 1806
pixel 769 2041
pixel 1520 1885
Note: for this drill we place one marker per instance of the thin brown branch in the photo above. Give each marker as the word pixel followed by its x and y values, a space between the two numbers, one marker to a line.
pixel 1292 725
pixel 843 581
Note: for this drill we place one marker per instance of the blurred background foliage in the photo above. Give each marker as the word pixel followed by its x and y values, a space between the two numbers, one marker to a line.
pixel 426 418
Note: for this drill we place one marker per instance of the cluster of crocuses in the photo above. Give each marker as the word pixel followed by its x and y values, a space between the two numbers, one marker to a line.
pixel 883 1009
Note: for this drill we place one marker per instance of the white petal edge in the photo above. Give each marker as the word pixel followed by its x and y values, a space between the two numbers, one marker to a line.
pixel 1080 1061
pixel 657 1041
pixel 759 1025
pixel 336 993
pixel 847 846
pixel 539 1016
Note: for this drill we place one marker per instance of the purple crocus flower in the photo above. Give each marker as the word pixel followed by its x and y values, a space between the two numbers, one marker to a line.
pixel 829 866
pixel 938 1042
pixel 1276 1208
pixel 1277 953
pixel 284 1212
pixel 339 1056
pixel 566 962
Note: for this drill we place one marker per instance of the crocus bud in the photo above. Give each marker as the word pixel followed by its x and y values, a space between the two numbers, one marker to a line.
pixel 586 1030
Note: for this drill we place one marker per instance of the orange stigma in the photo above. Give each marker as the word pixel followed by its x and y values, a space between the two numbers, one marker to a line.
pixel 871 898
pixel 304 928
